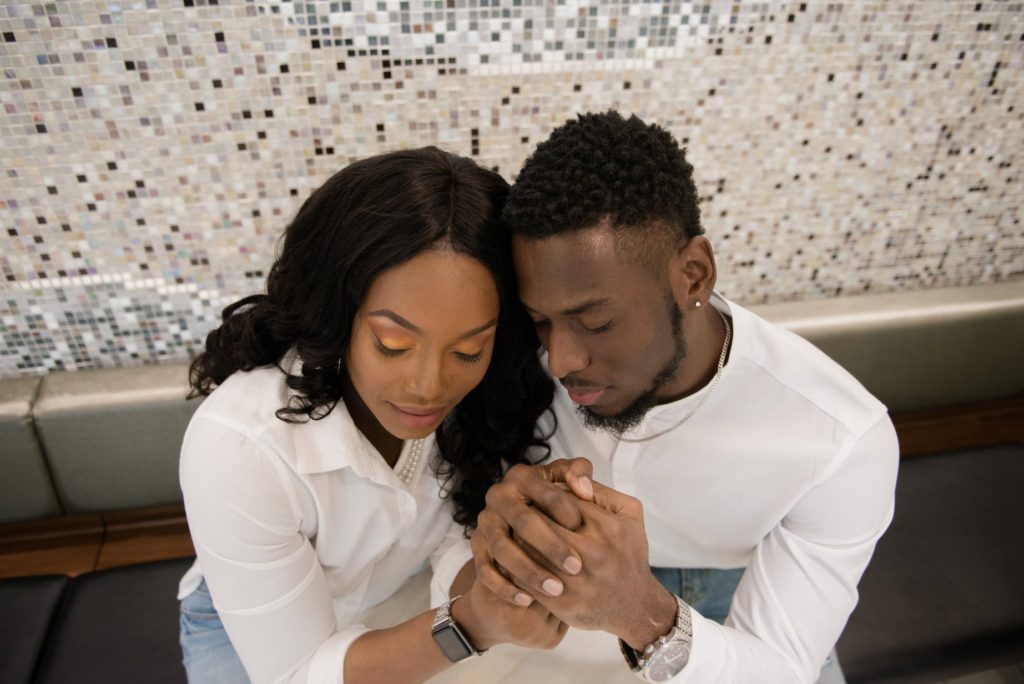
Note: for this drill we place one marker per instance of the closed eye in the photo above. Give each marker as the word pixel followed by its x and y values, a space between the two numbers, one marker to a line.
pixel 387 351
pixel 599 329
pixel 470 358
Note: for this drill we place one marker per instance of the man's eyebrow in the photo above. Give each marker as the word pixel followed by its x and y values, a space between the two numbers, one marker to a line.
pixel 389 314
pixel 585 306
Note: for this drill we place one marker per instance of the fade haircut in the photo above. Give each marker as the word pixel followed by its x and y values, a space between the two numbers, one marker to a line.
pixel 604 170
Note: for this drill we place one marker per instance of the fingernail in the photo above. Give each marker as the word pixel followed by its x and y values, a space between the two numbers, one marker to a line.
pixel 523 599
pixel 587 487
pixel 552 586
pixel 572 565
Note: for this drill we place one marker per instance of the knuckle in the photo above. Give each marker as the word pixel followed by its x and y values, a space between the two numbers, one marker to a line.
pixel 550 497
pixel 494 495
pixel 488 525
pixel 580 464
pixel 519 471
pixel 555 550
pixel 523 519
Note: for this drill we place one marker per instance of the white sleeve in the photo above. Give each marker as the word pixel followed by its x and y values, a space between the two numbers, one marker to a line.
pixel 801 584
pixel 263 574
pixel 446 561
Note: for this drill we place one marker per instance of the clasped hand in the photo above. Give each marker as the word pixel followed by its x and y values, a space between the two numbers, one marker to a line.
pixel 550 534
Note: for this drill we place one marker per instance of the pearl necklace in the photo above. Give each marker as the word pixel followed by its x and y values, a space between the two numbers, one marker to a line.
pixel 411 461
pixel 707 392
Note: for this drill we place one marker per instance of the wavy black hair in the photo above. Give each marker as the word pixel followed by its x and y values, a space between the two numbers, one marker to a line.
pixel 371 216
pixel 602 168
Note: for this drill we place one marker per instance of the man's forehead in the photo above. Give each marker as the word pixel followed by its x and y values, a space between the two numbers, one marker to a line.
pixel 570 272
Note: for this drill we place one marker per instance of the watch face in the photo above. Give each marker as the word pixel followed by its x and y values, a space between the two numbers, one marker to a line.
pixel 669 661
pixel 452 643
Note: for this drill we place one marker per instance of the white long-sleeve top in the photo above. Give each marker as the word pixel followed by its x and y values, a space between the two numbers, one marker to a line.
pixel 789 469
pixel 300 529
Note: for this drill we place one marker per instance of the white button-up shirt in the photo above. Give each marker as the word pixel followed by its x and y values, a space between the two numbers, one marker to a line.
pixel 788 469
pixel 301 528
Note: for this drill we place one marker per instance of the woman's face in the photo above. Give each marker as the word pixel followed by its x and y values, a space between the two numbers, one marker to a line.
pixel 422 340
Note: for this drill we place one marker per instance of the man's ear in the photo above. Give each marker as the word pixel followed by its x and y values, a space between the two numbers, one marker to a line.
pixel 693 273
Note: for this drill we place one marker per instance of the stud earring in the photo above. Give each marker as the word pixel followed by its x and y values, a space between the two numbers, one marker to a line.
pixel 697 305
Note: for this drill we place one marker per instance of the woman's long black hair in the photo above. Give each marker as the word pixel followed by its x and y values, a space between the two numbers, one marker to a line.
pixel 371 216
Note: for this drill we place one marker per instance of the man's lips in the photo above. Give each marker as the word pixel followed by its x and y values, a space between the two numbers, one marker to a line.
pixel 585 396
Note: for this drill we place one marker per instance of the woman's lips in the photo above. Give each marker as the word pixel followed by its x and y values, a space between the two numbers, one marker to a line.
pixel 585 398
pixel 416 417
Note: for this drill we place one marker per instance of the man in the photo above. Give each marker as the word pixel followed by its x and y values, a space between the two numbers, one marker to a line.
pixel 727 448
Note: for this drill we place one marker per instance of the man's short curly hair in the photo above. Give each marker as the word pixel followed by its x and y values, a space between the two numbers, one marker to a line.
pixel 602 169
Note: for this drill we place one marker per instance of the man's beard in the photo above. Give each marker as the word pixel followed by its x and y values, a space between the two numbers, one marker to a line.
pixel 630 417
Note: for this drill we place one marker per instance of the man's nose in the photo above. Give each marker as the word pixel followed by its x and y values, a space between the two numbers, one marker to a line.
pixel 566 355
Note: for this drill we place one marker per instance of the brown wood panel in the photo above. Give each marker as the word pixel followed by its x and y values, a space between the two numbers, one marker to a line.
pixel 960 427
pixel 145 535
pixel 75 544
pixel 69 559
pixel 72 545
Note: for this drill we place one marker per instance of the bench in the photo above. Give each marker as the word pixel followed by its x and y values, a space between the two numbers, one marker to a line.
pixel 83 453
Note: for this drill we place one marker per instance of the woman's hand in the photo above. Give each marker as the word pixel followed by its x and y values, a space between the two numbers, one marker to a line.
pixel 489 620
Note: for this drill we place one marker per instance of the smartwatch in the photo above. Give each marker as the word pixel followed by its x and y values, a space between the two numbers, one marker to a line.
pixel 449 637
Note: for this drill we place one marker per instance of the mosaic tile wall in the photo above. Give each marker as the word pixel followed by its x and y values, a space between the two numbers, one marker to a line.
pixel 154 149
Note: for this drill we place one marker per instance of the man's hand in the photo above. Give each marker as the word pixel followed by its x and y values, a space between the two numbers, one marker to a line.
pixel 615 592
pixel 533 501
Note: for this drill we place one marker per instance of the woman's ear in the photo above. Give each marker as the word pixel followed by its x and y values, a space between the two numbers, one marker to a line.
pixel 693 273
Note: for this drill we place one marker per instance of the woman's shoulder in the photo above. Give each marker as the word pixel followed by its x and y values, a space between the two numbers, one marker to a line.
pixel 247 397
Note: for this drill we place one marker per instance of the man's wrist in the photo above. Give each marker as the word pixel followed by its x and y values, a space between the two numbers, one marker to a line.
pixel 652 618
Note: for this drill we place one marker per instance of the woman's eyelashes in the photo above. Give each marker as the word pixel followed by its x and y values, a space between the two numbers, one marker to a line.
pixel 388 351
pixel 393 352
pixel 470 358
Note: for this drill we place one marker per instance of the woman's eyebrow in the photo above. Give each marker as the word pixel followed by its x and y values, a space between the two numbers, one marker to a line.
pixel 479 329
pixel 395 318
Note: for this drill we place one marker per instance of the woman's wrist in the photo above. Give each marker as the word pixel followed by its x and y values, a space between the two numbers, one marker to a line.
pixel 464 613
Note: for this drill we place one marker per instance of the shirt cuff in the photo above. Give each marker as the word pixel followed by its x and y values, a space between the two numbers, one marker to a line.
pixel 445 570
pixel 327 666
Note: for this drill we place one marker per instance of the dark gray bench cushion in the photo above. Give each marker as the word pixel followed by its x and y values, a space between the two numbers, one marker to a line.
pixel 26 492
pixel 944 593
pixel 118 625
pixel 27 608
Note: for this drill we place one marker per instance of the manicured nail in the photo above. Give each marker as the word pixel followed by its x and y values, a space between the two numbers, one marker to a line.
pixel 524 599
pixel 552 586
pixel 572 565
pixel 587 487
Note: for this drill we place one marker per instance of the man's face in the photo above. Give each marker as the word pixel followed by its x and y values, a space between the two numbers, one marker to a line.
pixel 612 330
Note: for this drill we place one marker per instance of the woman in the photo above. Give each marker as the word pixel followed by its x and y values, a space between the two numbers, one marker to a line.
pixel 380 382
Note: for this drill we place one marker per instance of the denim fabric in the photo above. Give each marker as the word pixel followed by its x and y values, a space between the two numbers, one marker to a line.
pixel 207 652
pixel 707 591
pixel 710 591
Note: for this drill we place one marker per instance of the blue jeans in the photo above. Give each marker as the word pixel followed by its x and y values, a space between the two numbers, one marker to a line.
pixel 206 651
pixel 710 592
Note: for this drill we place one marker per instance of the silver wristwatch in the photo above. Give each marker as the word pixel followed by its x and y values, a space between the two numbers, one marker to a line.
pixel 667 655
